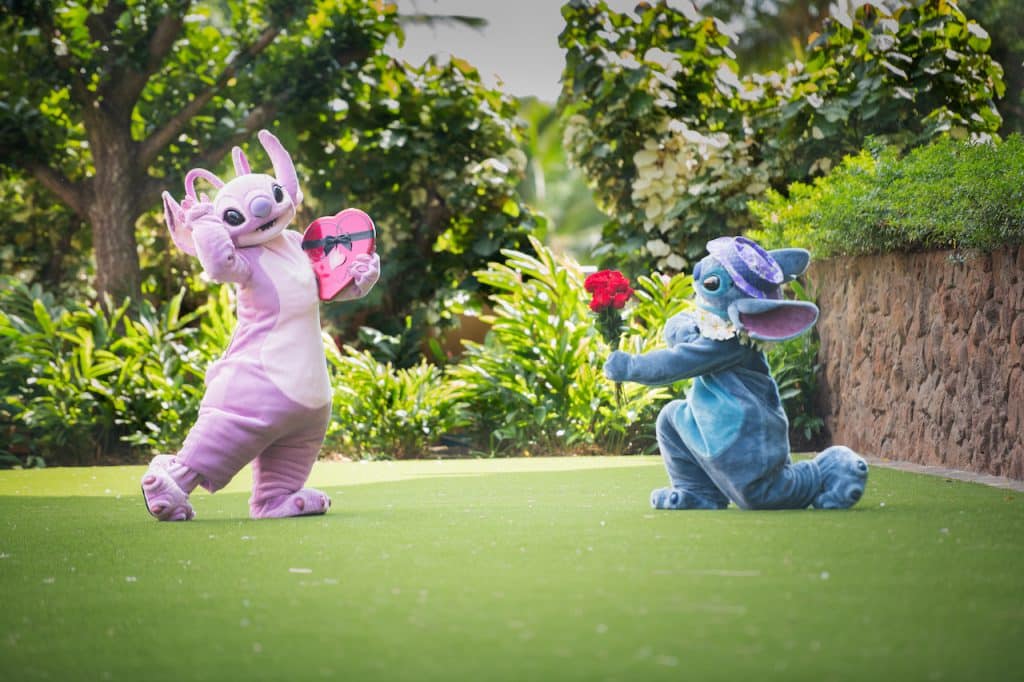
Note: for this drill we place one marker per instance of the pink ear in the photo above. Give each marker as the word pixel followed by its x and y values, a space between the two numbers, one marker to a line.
pixel 284 169
pixel 190 180
pixel 241 163
pixel 181 234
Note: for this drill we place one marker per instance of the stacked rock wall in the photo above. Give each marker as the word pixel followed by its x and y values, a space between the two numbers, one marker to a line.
pixel 922 357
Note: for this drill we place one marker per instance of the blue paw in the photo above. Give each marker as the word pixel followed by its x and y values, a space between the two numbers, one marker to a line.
pixel 677 498
pixel 844 474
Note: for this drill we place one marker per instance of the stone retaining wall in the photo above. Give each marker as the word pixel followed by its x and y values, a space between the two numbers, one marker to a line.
pixel 923 357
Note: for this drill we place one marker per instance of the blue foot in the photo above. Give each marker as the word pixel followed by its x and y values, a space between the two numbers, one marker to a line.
pixel 678 498
pixel 844 474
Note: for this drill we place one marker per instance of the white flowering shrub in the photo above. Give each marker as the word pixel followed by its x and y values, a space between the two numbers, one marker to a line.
pixel 675 144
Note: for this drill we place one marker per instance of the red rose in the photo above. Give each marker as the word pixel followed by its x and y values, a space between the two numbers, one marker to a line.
pixel 619 299
pixel 596 281
pixel 609 288
pixel 600 301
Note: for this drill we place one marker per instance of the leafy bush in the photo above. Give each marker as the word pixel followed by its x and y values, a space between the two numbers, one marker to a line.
pixel 383 412
pixel 81 382
pixel 674 144
pixel 537 383
pixel 946 195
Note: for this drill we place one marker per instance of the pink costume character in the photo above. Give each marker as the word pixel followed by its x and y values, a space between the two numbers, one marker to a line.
pixel 268 398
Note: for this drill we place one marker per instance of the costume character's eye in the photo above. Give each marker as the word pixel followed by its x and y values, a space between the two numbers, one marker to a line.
pixel 711 283
pixel 278 194
pixel 233 217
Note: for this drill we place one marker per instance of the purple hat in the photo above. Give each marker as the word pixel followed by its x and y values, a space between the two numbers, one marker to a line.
pixel 752 269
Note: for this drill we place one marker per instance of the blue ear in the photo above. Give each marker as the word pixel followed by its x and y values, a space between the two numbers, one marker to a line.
pixel 773 319
pixel 792 261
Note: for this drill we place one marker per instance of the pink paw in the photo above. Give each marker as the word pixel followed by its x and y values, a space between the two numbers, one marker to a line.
pixel 305 502
pixel 165 500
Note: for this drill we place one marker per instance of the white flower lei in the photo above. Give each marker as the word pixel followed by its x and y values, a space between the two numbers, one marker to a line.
pixel 711 326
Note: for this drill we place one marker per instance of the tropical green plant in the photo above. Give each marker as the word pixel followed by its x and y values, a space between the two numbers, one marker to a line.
pixel 675 144
pixel 84 381
pixel 946 195
pixel 536 385
pixel 383 412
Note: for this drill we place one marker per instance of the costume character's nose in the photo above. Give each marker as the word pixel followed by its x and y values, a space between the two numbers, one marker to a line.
pixel 260 207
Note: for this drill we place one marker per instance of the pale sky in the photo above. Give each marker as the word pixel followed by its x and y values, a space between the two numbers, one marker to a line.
pixel 519 46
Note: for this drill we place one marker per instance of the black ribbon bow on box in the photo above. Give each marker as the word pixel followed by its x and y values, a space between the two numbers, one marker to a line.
pixel 329 242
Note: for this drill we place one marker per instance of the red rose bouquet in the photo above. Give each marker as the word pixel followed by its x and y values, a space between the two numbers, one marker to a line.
pixel 610 291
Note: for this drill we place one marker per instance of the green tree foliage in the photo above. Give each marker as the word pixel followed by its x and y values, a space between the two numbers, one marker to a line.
pixel 107 104
pixel 1004 20
pixel 948 194
pixel 760 24
pixel 770 32
pixel 433 156
pixel 674 143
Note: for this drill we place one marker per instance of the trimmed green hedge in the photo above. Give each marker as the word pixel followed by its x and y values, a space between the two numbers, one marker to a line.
pixel 947 195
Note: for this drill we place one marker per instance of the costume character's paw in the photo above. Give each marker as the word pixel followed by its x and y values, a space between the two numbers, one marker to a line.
pixel 844 474
pixel 165 499
pixel 305 502
pixel 616 367
pixel 678 498
pixel 365 271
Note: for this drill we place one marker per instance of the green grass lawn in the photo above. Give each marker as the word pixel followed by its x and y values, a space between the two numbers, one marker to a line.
pixel 550 569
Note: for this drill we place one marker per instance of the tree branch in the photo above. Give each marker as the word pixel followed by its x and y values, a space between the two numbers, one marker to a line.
pixel 151 146
pixel 257 118
pixel 127 88
pixel 70 193
pixel 101 26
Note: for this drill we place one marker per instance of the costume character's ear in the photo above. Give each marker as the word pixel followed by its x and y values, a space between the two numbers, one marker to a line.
pixel 284 169
pixel 792 261
pixel 190 181
pixel 181 233
pixel 773 319
pixel 241 163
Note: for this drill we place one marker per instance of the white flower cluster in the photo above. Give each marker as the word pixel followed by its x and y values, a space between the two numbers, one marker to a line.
pixel 711 326
pixel 665 170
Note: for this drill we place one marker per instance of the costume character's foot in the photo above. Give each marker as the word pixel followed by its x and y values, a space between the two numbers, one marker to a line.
pixel 678 498
pixel 844 474
pixel 305 502
pixel 165 499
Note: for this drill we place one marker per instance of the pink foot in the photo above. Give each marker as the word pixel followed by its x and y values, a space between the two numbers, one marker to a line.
pixel 305 502
pixel 165 500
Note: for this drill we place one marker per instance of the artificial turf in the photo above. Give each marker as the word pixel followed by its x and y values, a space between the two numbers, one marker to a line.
pixel 542 569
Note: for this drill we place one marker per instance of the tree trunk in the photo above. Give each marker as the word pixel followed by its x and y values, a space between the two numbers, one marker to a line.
pixel 116 250
pixel 113 210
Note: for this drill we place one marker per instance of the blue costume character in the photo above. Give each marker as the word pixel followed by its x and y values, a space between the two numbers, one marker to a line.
pixel 729 440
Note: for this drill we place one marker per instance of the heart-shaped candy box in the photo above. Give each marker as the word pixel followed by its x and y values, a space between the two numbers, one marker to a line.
pixel 332 243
